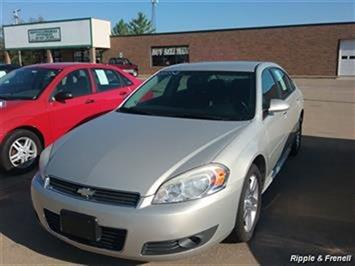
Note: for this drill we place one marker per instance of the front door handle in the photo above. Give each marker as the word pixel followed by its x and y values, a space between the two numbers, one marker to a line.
pixel 123 93
pixel 89 101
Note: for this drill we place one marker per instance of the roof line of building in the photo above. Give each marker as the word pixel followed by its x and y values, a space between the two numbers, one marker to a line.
pixel 49 21
pixel 235 29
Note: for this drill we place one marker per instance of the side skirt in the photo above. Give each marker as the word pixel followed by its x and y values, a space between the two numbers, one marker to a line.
pixel 284 155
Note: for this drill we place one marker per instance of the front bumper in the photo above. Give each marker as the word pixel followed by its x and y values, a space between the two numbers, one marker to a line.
pixel 146 223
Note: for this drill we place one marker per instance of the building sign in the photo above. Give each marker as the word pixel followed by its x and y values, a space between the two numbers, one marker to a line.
pixel 165 56
pixel 44 35
pixel 182 50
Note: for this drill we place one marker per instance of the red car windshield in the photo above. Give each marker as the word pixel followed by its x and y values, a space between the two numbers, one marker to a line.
pixel 26 83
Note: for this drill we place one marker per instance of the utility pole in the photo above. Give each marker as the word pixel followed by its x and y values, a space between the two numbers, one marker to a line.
pixel 154 19
pixel 17 18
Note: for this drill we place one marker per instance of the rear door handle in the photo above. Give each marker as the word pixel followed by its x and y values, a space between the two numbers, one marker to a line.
pixel 123 93
pixel 89 101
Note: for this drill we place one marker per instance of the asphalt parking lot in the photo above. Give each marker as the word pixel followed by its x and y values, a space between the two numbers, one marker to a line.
pixel 309 209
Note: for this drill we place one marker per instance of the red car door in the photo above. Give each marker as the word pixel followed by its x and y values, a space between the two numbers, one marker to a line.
pixel 71 103
pixel 111 88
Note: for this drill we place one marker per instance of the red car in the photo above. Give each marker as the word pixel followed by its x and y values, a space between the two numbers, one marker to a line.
pixel 40 103
pixel 125 65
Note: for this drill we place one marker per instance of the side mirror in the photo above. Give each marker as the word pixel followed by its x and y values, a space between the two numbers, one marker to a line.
pixel 277 105
pixel 62 96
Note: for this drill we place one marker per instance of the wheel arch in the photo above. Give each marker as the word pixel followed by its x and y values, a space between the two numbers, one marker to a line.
pixel 260 162
pixel 33 130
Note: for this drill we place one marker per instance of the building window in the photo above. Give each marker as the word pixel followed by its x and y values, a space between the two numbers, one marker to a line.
pixel 165 56
pixel 57 56
pixel 81 56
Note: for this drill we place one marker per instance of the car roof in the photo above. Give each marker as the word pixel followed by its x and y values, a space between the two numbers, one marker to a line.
pixel 65 65
pixel 242 66
pixel 8 66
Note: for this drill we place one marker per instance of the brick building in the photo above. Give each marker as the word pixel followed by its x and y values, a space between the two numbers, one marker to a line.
pixel 305 50
pixel 312 49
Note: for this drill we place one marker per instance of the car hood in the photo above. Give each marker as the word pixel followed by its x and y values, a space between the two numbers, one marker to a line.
pixel 137 153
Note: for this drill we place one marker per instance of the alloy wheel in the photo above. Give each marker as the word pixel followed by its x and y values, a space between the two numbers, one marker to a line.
pixel 22 151
pixel 251 201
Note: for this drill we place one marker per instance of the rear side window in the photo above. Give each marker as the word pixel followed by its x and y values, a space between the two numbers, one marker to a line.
pixel 76 82
pixel 283 82
pixel 107 79
pixel 270 89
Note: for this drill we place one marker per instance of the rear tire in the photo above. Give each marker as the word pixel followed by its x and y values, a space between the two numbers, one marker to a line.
pixel 249 204
pixel 296 145
pixel 20 151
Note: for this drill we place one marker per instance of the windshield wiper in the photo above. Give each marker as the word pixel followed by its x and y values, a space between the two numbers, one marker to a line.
pixel 202 116
pixel 14 98
pixel 133 110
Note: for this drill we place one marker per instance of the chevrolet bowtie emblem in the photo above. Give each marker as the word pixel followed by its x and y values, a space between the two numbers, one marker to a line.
pixel 86 192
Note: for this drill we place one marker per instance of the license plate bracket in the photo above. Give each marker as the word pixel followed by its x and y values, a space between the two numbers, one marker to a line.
pixel 79 225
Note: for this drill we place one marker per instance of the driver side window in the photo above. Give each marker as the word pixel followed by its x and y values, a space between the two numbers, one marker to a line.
pixel 270 89
pixel 77 83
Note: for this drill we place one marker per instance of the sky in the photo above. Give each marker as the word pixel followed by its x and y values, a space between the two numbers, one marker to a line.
pixel 188 15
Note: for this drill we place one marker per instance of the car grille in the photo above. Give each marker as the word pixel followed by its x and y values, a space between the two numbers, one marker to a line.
pixel 121 198
pixel 111 238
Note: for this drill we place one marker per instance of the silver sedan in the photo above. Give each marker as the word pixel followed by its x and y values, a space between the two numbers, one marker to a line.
pixel 178 167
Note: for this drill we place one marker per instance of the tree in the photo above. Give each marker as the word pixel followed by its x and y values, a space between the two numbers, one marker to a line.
pixel 121 28
pixel 140 25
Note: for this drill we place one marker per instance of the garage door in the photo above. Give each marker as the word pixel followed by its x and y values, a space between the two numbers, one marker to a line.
pixel 347 58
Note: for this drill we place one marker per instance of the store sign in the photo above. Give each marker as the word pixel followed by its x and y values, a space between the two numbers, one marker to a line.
pixel 182 50
pixel 44 35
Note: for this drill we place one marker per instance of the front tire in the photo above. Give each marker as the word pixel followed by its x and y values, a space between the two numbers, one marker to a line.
pixel 249 207
pixel 20 151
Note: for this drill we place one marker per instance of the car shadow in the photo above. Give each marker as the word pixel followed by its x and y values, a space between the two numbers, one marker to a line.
pixel 309 209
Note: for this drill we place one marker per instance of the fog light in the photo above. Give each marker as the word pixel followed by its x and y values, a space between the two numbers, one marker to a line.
pixel 189 242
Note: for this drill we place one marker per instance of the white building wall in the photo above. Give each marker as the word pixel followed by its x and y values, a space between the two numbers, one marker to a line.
pixel 101 31
pixel 73 33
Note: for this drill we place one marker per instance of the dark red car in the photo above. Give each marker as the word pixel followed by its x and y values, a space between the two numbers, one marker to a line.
pixel 125 65
pixel 40 103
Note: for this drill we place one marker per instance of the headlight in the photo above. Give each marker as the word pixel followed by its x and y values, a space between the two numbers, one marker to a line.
pixel 44 159
pixel 194 184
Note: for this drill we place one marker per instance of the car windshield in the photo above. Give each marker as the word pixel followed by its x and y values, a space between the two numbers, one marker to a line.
pixel 196 94
pixel 25 83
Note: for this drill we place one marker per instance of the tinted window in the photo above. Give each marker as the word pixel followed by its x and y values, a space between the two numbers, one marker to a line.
pixel 25 83
pixel 282 81
pixel 119 61
pixel 196 94
pixel 112 61
pixel 77 83
pixel 289 82
pixel 126 81
pixel 270 89
pixel 107 79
